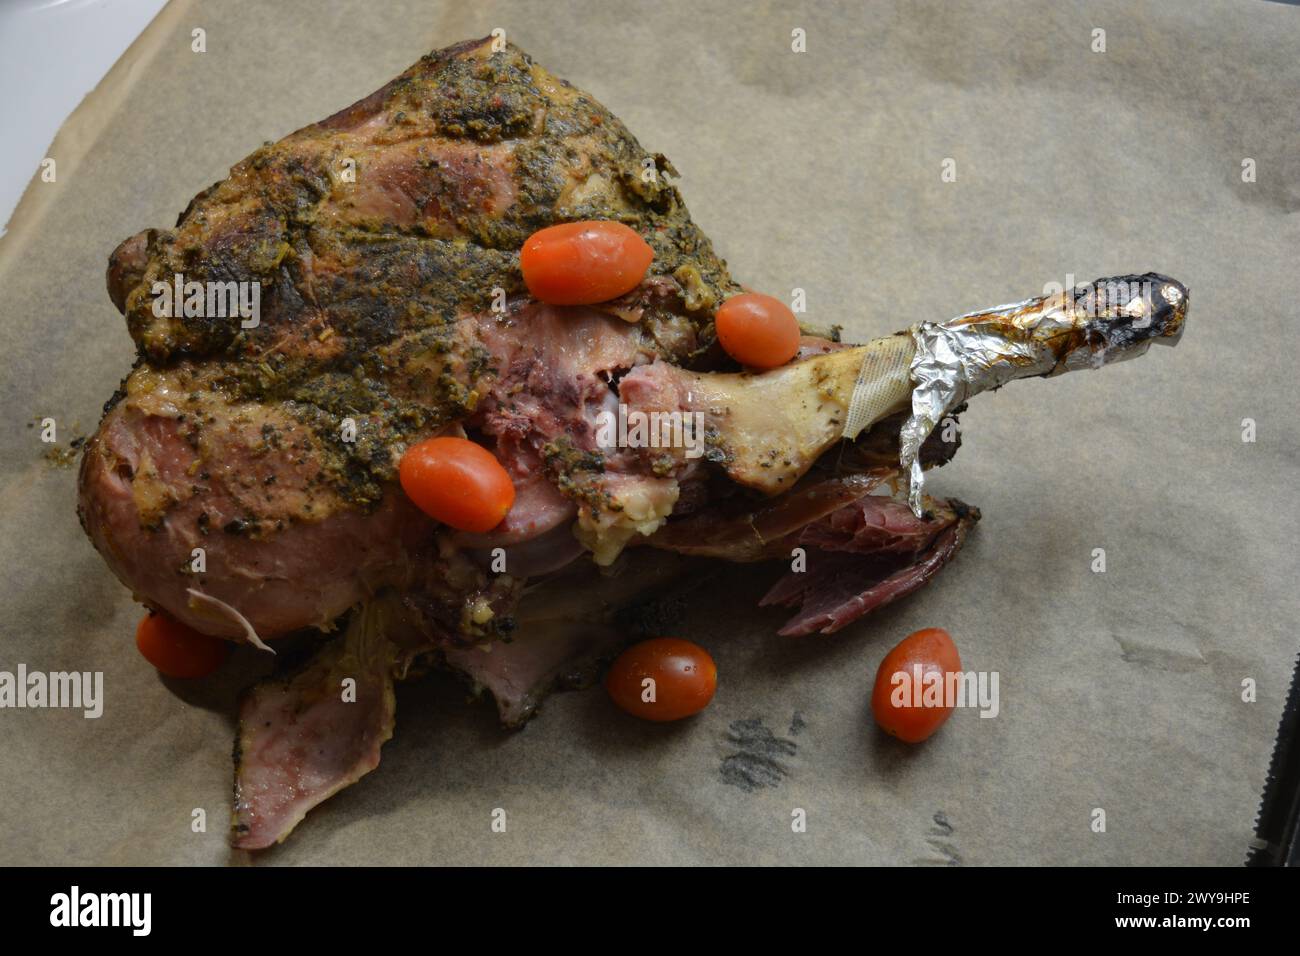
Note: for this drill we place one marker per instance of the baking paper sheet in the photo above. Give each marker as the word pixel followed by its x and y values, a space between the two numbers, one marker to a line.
pixel 823 170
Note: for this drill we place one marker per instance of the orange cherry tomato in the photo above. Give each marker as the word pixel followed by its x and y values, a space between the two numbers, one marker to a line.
pixel 457 482
pixel 582 263
pixel 757 330
pixel 663 679
pixel 178 650
pixel 894 701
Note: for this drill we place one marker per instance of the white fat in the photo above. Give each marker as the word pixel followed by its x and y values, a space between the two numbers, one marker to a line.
pixel 230 614
pixel 643 505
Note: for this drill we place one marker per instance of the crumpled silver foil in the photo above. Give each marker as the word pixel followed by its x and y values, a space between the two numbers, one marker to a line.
pixel 1089 326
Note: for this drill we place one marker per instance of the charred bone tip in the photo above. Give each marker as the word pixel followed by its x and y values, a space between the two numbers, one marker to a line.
pixel 1091 325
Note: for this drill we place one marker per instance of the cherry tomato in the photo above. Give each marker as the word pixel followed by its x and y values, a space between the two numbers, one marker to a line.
pixel 894 701
pixel 663 679
pixel 581 263
pixel 457 482
pixel 178 650
pixel 757 330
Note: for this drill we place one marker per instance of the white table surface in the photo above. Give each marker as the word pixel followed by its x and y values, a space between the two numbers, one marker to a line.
pixel 52 53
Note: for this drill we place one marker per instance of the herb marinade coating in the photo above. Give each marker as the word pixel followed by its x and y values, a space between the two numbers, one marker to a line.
pixel 380 237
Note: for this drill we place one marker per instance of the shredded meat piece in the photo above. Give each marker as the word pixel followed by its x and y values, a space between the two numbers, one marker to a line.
pixel 865 556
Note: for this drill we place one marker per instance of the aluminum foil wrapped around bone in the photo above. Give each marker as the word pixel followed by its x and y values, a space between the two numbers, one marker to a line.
pixel 1088 326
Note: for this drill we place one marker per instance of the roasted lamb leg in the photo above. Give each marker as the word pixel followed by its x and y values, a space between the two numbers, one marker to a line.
pixel 374 260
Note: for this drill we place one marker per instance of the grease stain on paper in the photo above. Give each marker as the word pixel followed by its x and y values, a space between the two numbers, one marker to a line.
pixel 938 837
pixel 761 758
pixel 1174 659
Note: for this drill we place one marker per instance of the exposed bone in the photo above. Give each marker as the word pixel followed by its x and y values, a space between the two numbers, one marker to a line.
pixel 767 429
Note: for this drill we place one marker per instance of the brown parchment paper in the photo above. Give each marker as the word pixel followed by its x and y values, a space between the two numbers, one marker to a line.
pixel 822 171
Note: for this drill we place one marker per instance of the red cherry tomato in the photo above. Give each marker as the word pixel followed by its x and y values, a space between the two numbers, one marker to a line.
pixel 663 679
pixel 757 330
pixel 894 700
pixel 178 650
pixel 457 482
pixel 582 263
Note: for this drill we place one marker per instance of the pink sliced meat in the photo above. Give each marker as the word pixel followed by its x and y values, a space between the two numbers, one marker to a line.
pixel 758 532
pixel 521 673
pixel 880 525
pixel 304 738
pixel 865 556
pixel 568 626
